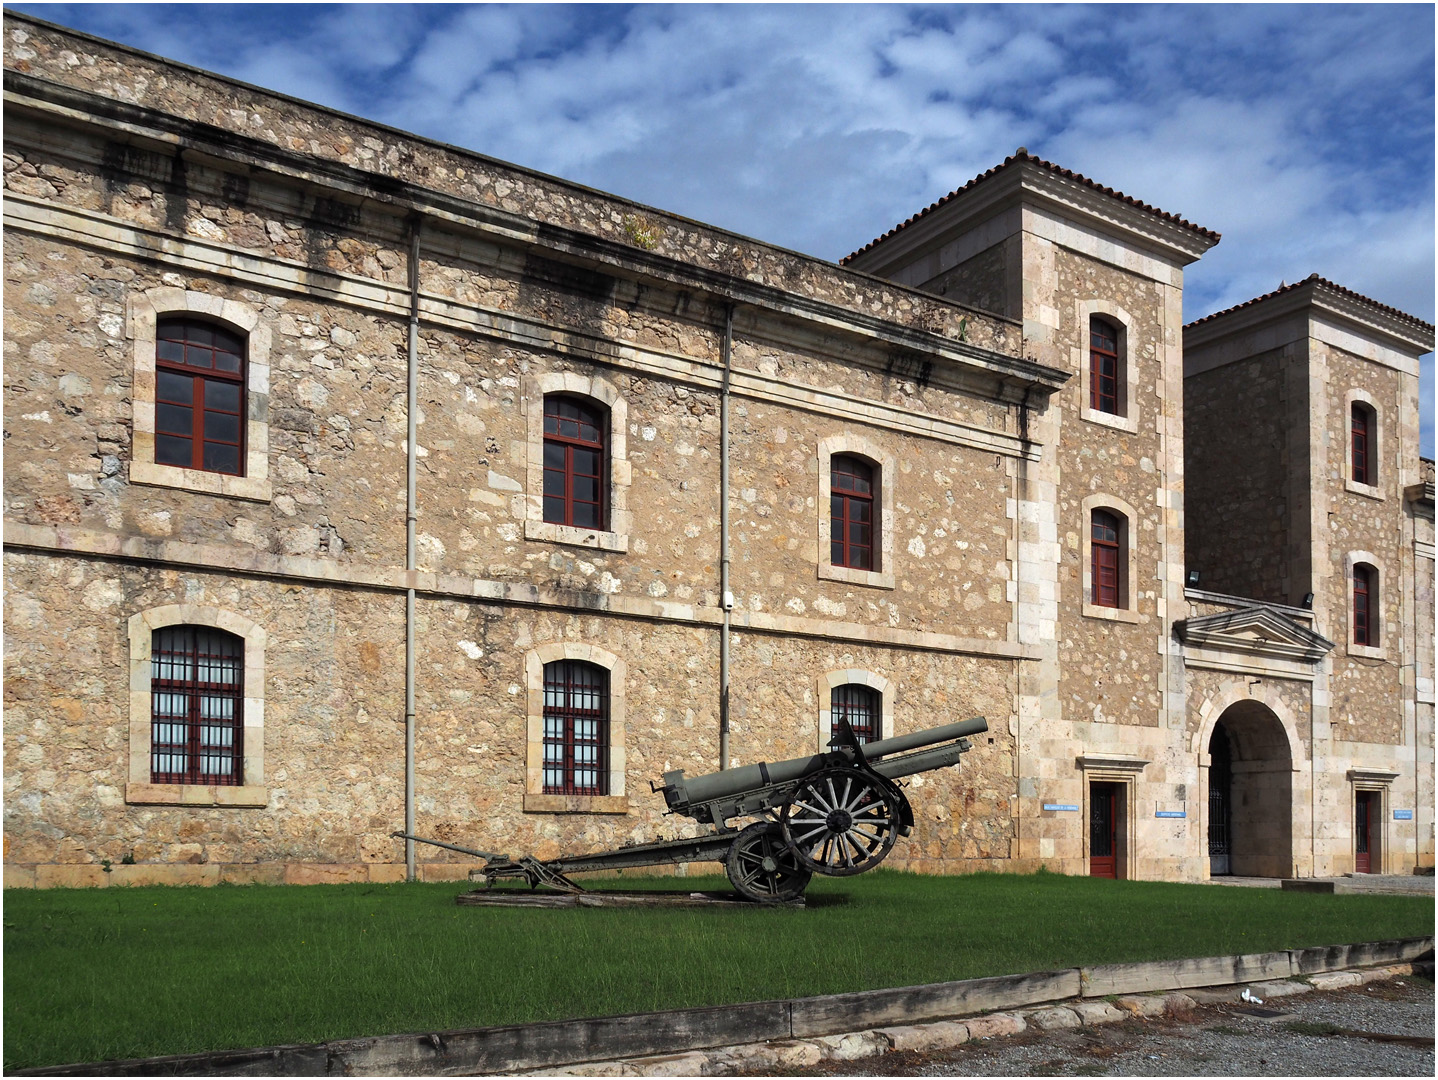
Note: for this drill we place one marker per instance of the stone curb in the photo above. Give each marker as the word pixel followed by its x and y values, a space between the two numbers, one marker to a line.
pixel 851 1025
pixel 779 1057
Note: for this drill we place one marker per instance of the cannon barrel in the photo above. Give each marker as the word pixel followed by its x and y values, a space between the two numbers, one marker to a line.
pixel 681 792
pixel 899 743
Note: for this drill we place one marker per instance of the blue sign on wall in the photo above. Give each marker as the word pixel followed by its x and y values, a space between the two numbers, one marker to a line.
pixel 1403 815
pixel 1059 806
pixel 1172 813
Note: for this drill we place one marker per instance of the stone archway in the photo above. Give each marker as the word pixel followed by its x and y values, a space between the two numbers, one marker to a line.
pixel 1258 803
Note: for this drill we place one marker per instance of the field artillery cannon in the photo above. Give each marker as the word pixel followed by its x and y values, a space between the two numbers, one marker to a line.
pixel 837 813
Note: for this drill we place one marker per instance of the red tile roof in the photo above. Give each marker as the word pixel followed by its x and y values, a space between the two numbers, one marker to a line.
pixel 1068 174
pixel 1314 279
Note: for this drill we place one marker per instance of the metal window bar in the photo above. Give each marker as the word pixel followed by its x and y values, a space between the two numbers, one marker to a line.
pixel 196 706
pixel 199 396
pixel 574 463
pixel 860 706
pixel 1103 367
pixel 576 728
pixel 851 512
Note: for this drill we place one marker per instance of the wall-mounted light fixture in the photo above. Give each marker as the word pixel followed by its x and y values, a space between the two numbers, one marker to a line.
pixel 1307 601
pixel 1193 579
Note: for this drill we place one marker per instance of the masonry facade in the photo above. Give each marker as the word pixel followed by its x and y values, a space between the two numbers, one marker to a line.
pixel 237 325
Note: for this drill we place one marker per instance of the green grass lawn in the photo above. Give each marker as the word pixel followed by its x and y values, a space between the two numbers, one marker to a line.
pixel 99 974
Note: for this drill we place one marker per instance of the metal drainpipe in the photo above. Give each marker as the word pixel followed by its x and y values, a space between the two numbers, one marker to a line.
pixel 411 434
pixel 726 597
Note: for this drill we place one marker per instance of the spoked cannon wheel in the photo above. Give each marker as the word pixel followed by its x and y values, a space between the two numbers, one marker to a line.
pixel 762 867
pixel 841 821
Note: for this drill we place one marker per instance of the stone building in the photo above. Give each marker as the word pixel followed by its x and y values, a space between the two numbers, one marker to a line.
pixel 349 474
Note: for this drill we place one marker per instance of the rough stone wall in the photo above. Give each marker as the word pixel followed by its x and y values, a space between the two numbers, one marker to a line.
pixel 1111 670
pixel 1236 517
pixel 318 560
pixel 1365 689
pixel 980 282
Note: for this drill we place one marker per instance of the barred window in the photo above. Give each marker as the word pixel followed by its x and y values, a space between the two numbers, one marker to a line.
pixel 861 706
pixel 851 512
pixel 574 489
pixel 196 706
pixel 199 396
pixel 576 728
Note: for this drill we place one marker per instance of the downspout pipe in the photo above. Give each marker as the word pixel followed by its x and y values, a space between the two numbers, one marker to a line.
pixel 410 516
pixel 726 595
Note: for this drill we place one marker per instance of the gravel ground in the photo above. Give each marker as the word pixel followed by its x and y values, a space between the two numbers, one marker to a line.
pixel 1304 1039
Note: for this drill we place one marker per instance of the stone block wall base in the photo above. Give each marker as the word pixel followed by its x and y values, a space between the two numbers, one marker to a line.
pixel 95 876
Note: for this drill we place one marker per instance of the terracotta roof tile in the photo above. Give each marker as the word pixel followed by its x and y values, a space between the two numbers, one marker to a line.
pixel 1068 174
pixel 1314 279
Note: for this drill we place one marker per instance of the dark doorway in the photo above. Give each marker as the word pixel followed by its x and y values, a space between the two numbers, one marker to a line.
pixel 1365 832
pixel 1103 830
pixel 1220 800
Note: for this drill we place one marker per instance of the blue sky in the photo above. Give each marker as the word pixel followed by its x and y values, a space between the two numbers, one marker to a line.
pixel 1304 134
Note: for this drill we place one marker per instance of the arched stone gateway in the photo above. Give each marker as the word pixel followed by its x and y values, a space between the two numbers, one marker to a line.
pixel 1249 814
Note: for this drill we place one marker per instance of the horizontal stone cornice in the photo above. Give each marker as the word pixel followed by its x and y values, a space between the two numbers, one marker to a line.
pixel 1252 635
pixel 221 558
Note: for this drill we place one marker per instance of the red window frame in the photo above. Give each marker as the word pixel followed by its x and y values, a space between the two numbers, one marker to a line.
pixel 1106 537
pixel 861 706
pixel 1365 599
pixel 200 400
pixel 575 492
pixel 197 703
pixel 1361 426
pixel 851 512
pixel 1103 366
pixel 576 728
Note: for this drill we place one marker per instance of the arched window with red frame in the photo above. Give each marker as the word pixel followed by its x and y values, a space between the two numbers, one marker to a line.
pixel 1362 431
pixel 199 395
pixel 576 728
pixel 1365 605
pixel 197 680
pixel 1106 540
pixel 851 513
pixel 1105 388
pixel 861 706
pixel 574 462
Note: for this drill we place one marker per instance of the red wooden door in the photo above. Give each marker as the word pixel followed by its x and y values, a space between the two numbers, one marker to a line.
pixel 1103 831
pixel 1363 832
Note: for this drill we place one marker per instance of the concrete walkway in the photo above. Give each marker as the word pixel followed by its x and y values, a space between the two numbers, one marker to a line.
pixel 1404 884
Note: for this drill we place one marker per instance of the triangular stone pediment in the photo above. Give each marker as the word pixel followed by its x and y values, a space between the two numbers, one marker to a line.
pixel 1255 630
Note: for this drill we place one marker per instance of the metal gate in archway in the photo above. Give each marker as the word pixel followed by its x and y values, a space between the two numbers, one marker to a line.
pixel 1220 798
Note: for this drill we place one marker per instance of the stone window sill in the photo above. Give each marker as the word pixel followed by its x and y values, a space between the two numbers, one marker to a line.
pixel 1368 491
pixel 1113 420
pixel 234 487
pixel 575 804
pixel 1124 615
pixel 247 795
pixel 1372 652
pixel 568 534
pixel 874 579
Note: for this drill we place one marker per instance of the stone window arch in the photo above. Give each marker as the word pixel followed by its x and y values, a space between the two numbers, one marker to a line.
pixel 250 789
pixel 251 477
pixel 830 681
pixel 602 401
pixel 1095 318
pixel 537 799
pixel 883 467
pixel 1100 515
